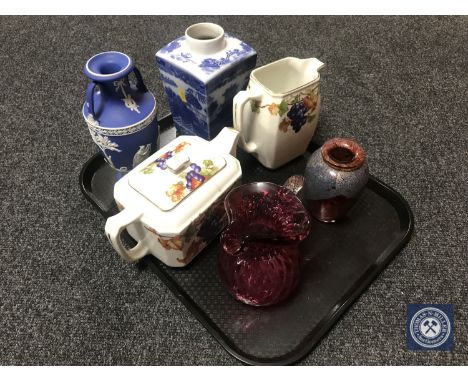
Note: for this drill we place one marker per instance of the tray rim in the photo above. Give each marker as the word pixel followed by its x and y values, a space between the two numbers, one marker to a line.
pixel 311 340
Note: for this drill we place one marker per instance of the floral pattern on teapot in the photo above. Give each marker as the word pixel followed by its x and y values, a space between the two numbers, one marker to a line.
pixel 297 110
pixel 161 161
pixel 198 234
pixel 192 178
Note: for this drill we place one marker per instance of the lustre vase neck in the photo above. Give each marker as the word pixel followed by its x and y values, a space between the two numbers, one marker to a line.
pixel 343 154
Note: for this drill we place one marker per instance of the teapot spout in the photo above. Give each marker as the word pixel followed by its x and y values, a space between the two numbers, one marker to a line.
pixel 226 141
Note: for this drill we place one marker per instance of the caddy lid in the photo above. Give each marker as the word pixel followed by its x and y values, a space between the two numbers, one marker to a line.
pixel 175 172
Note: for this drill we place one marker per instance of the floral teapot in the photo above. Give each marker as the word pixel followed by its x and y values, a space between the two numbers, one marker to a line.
pixel 172 204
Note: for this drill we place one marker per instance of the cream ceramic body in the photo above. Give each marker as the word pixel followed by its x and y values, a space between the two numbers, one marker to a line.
pixel 167 219
pixel 263 114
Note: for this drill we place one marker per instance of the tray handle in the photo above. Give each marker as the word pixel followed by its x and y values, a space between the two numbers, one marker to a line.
pixel 114 227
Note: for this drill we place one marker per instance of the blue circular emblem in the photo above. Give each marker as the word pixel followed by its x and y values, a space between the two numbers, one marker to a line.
pixel 430 327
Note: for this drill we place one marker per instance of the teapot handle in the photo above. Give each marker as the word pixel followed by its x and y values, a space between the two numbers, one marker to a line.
pixel 238 106
pixel 114 227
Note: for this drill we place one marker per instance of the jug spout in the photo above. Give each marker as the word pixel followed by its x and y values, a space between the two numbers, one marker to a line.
pixel 226 141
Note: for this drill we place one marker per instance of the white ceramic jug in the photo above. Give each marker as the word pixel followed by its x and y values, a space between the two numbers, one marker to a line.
pixel 284 107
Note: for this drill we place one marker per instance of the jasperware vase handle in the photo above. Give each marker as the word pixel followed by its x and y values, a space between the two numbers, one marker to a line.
pixel 140 84
pixel 89 98
pixel 114 227
pixel 238 106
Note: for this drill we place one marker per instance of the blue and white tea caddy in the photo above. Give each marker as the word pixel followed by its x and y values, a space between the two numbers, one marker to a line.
pixel 121 116
pixel 202 72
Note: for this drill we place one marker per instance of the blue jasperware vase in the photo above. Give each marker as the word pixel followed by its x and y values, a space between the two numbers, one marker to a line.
pixel 201 73
pixel 121 116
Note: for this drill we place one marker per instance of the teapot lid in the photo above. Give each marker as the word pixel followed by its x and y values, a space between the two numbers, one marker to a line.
pixel 175 172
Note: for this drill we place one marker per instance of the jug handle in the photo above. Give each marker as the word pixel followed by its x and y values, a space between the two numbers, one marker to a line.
pixel 238 104
pixel 114 227
pixel 89 98
pixel 295 183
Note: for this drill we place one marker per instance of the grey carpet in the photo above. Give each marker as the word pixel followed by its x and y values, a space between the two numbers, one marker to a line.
pixel 396 84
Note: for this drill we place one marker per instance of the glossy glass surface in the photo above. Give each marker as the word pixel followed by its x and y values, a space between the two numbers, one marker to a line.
pixel 259 259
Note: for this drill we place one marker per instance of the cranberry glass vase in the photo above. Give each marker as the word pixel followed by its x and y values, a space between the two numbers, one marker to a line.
pixel 260 260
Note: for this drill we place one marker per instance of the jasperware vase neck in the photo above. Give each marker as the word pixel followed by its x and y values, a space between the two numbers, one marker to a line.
pixel 108 72
pixel 108 66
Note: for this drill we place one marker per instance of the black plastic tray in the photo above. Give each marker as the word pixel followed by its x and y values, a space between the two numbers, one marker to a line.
pixel 341 260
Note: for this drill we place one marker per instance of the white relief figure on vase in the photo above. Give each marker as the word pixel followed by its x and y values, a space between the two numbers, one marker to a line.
pixel 109 161
pixel 127 98
pixel 130 103
pixel 120 85
pixel 91 120
pixel 142 153
pixel 104 142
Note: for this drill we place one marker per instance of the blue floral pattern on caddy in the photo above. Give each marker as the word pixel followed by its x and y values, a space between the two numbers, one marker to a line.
pixel 172 45
pixel 180 74
pixel 200 88
pixel 211 64
pixel 183 57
